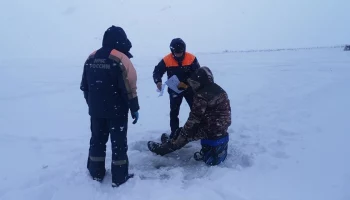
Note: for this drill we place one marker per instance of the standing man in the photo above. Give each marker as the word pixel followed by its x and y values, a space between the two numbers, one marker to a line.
pixel 109 86
pixel 183 65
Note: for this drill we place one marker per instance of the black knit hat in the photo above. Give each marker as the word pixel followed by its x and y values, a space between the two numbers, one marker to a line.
pixel 202 77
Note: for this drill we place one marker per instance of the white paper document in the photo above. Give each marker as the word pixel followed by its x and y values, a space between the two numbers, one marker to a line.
pixel 172 83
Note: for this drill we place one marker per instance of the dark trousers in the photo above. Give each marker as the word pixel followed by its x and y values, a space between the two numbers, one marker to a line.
pixel 175 104
pixel 101 129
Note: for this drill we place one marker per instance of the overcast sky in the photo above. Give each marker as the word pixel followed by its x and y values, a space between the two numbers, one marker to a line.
pixel 74 27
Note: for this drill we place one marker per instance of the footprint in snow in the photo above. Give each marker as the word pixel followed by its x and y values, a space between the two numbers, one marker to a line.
pixel 278 149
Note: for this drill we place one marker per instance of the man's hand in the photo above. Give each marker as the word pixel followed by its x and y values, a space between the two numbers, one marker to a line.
pixel 182 86
pixel 159 86
pixel 135 116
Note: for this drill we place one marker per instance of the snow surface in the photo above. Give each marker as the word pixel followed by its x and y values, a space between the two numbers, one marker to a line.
pixel 289 137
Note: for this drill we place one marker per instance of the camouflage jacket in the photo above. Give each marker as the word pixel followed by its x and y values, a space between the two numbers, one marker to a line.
pixel 210 116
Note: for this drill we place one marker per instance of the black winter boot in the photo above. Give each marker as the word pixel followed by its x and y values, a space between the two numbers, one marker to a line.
pixel 126 179
pixel 160 148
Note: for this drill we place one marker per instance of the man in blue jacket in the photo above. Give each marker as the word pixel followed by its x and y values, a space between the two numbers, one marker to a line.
pixel 182 64
pixel 109 86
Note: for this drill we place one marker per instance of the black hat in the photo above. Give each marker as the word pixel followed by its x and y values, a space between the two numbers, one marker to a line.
pixel 116 38
pixel 202 77
pixel 177 45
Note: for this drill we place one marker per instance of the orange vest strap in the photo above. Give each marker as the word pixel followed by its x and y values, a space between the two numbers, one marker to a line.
pixel 189 58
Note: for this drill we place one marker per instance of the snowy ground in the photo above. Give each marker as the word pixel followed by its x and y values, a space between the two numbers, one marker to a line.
pixel 289 137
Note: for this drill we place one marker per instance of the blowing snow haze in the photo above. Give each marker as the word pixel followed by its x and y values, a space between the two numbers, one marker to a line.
pixel 61 28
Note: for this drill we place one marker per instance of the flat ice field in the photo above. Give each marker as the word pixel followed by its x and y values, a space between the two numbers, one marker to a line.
pixel 289 137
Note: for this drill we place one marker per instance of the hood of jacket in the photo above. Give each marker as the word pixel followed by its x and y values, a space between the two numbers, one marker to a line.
pixel 116 38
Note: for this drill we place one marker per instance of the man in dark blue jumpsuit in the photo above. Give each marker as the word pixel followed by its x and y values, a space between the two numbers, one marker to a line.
pixel 109 86
pixel 182 64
